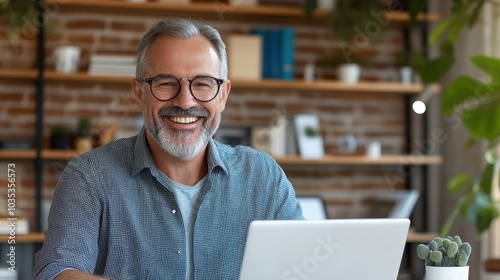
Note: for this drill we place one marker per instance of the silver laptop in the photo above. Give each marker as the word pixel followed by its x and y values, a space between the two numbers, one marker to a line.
pixel 343 249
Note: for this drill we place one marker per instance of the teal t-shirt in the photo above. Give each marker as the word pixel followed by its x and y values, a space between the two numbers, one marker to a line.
pixel 187 197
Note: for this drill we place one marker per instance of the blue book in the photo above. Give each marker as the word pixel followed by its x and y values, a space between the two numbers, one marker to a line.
pixel 265 50
pixel 287 53
pixel 274 53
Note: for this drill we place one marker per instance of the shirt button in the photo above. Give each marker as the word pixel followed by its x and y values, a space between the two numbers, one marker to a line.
pixel 173 211
pixel 179 251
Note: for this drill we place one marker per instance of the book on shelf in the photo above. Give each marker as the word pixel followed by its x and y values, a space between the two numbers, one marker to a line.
pixel 244 55
pixel 13 226
pixel 277 139
pixel 278 52
pixel 309 139
pixel 112 65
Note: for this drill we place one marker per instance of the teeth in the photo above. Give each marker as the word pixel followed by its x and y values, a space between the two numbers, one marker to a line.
pixel 183 119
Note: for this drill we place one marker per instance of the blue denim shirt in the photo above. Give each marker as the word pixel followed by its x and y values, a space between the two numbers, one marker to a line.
pixel 112 216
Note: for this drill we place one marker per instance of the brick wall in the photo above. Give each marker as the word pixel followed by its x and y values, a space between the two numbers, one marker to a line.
pixel 346 189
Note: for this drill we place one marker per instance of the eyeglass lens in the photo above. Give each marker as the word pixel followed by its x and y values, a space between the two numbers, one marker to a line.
pixel 203 88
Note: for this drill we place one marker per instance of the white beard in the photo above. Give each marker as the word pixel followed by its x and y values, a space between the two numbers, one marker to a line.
pixel 181 144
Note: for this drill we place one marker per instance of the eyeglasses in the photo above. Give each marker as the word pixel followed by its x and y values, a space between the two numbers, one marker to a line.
pixel 166 87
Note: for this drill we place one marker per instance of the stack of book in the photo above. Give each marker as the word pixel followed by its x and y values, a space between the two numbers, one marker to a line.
pixel 278 49
pixel 112 65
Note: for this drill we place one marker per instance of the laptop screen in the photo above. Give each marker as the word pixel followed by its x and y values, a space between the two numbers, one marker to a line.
pixel 346 249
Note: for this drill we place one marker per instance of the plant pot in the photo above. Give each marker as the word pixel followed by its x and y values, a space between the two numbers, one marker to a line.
pixel 60 141
pixel 349 73
pixel 83 144
pixel 447 273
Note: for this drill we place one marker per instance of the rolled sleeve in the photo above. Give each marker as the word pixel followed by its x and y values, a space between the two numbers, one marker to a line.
pixel 72 238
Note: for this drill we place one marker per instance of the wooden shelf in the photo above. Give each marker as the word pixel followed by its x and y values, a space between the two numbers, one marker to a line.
pixel 210 10
pixel 34 237
pixel 321 85
pixel 31 154
pixel 18 74
pixel 362 160
pixel 59 154
pixel 288 160
pixel 334 86
pixel 17 154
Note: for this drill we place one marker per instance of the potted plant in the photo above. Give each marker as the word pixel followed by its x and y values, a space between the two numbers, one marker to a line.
pixel 445 258
pixel 60 137
pixel 84 142
pixel 348 68
pixel 19 14
pixel 349 20
pixel 477 103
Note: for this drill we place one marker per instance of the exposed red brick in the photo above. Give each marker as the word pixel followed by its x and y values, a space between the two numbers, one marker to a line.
pixel 18 111
pixel 80 39
pixel 107 39
pixel 128 26
pixel 94 99
pixel 85 24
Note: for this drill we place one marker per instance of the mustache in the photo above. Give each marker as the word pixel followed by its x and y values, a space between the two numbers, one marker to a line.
pixel 177 111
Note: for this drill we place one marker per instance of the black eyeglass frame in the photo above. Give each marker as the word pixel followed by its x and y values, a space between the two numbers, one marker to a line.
pixel 150 82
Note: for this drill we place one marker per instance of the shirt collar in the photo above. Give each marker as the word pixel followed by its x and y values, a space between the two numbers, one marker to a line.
pixel 143 158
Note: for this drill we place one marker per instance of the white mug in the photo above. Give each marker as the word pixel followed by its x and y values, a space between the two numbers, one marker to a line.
pixel 349 73
pixel 67 59
pixel 406 75
pixel 374 150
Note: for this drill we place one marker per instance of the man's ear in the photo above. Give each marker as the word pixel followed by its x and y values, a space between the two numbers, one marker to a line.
pixel 224 94
pixel 138 93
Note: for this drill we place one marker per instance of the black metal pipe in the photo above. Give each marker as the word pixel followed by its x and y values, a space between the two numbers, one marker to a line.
pixel 39 85
pixel 425 130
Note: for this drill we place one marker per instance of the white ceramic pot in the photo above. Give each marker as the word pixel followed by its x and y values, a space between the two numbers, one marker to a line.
pixel 326 4
pixel 349 73
pixel 447 273
pixel 67 59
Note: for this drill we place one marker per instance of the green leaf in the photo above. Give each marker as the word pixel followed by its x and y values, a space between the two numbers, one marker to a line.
pixel 485 218
pixel 457 93
pixel 484 120
pixel 458 182
pixel 459 23
pixel 487 179
pixel 432 71
pixel 447 48
pixel 465 203
pixel 489 65
pixel 309 7
pixel 476 12
pixel 449 222
pixel 439 30
pixel 472 141
pixel 415 8
pixel 481 212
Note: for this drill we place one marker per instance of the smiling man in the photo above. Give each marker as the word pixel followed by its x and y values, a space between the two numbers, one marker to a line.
pixel 171 202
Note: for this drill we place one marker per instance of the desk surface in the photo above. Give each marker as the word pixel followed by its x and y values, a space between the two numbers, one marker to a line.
pixel 38 237
pixel 420 237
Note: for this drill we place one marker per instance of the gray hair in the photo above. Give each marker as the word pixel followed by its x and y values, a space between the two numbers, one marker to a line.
pixel 183 29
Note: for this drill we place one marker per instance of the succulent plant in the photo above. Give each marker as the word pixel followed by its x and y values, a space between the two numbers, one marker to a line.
pixel 445 251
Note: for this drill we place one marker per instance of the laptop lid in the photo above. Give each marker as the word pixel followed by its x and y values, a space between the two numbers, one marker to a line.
pixel 405 203
pixel 346 249
pixel 313 207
